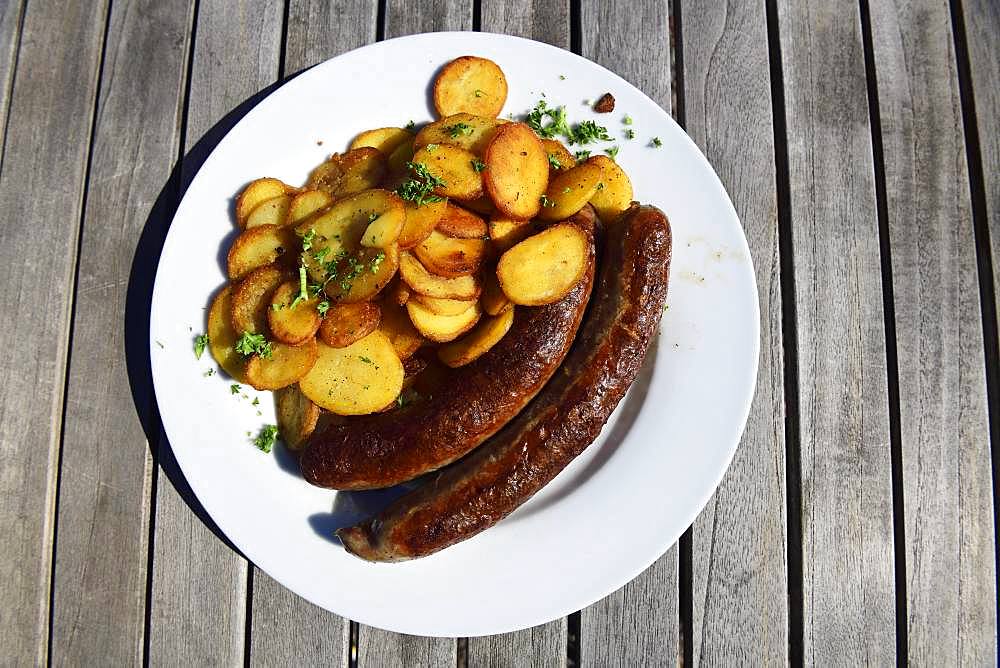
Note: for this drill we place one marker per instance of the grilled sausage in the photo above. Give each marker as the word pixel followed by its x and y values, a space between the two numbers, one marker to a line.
pixel 564 419
pixel 386 449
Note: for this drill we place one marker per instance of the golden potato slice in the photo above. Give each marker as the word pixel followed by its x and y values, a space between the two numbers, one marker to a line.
pixel 470 84
pixel 448 257
pixel 255 193
pixel 272 211
pixel 260 246
pixel 286 365
pixel 560 159
pixel 327 176
pixel 362 275
pixel 466 131
pixel 517 171
pixel 399 157
pixel 505 232
pixel 290 322
pixel 461 224
pixel 346 323
pixel 420 222
pixel 297 416
pixel 454 166
pixel 443 306
pixel 543 268
pixel 252 298
pixel 470 347
pixel 483 206
pixel 423 282
pixel 361 378
pixel 222 337
pixel 386 140
pixel 442 328
pixel 570 191
pixel 614 192
pixel 494 300
pixel 306 204
pixel 364 168
pixel 383 231
pixel 402 334
pixel 398 291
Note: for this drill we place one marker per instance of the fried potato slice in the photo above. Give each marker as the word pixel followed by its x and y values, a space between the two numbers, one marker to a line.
pixel 517 171
pixel 454 166
pixel 272 211
pixel 364 168
pixel 614 193
pixel 356 380
pixel 399 157
pixel 256 192
pixel 543 268
pixel 493 299
pixel 398 291
pixel 461 224
pixel 484 336
pixel 260 246
pixel 451 258
pixel 362 275
pixel 466 131
pixel 483 206
pixel 307 203
pixel 402 334
pixel 570 191
pixel 441 306
pixel 505 232
pixel 286 365
pixel 222 337
pixel 297 416
pixel 385 140
pixel 560 159
pixel 327 176
pixel 252 298
pixel 423 282
pixel 383 231
pixel 420 222
pixel 442 328
pixel 290 322
pixel 346 323
pixel 470 84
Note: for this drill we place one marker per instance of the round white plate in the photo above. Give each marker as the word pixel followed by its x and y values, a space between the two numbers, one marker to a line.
pixel 604 519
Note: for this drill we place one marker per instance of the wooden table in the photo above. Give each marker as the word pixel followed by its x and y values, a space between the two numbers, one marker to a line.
pixel 860 143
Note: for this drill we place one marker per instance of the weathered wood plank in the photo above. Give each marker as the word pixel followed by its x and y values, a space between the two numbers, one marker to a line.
pixel 541 20
pixel 105 481
pixel 950 574
pixel 403 17
pixel 199 584
pixel 285 628
pixel 11 12
pixel 847 514
pixel 44 169
pixel 638 624
pixel 739 572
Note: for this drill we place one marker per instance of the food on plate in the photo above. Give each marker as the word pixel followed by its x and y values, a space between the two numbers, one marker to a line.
pixel 297 416
pixel 355 380
pixel 222 337
pixel 257 247
pixel 396 325
pixel 605 104
pixel 517 171
pixel 570 191
pixel 470 347
pixel 272 211
pixel 452 170
pixel 443 306
pixel 466 131
pixel 344 324
pixel 424 282
pixel 506 232
pixel 450 257
pixel 459 223
pixel 257 192
pixel 470 84
pixel 614 194
pixel 565 417
pixel 385 140
pixel 281 366
pixel 287 321
pixel 305 204
pixel 442 328
pixel 494 300
pixel 420 221
pixel 544 267
pixel 252 296
pixel 560 159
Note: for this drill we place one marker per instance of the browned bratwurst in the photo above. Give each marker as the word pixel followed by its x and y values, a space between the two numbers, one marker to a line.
pixel 565 418
pixel 386 449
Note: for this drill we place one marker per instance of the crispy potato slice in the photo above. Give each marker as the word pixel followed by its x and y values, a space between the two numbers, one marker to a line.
pixel 466 131
pixel 362 275
pixel 420 222
pixel 222 337
pixel 272 211
pixel 423 282
pixel 517 171
pixel 290 322
pixel 461 224
pixel 448 257
pixel 297 416
pixel 346 323
pixel 483 206
pixel 252 299
pixel 570 191
pixel 356 380
pixel 260 246
pixel 256 192
pixel 494 300
pixel 505 232
pixel 399 157
pixel 364 168
pixel 383 231
pixel 560 159
pixel 443 306
pixel 306 204
pixel 286 365
pixel 543 268
pixel 442 328
pixel 398 291
pixel 327 176
pixel 486 334
pixel 454 166
pixel 470 84
pixel 614 193
pixel 397 327
pixel 386 140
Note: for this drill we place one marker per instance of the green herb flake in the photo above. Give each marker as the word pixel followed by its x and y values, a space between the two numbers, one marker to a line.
pixel 411 125
pixel 307 239
pixel 303 287
pixel 656 143
pixel 546 202
pixel 364 359
pixel 479 93
pixel 562 77
pixel 200 342
pixel 458 129
pixel 582 155
pixel 612 152
pixel 600 186
pixel 627 120
pixel 568 189
pixel 553 161
pixel 478 165
pixel 587 132
pixel 234 388
pixel 419 186
pixel 266 438
pixel 376 262
pixel 630 134
pixel 255 402
pixel 159 343
pixel 253 344
pixel 323 307
pixel 209 372
pixel 536 120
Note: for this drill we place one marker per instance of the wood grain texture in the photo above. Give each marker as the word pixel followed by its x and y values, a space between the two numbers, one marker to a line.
pixel 198 608
pixel 285 628
pixel 638 624
pixel 541 20
pixel 41 187
pixel 950 574
pixel 105 482
pixel 404 17
pixel 739 570
pixel 847 514
pixel 11 12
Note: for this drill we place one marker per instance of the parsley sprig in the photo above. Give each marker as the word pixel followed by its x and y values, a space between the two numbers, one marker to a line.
pixel 267 437
pixel 458 129
pixel 420 186
pixel 200 342
pixel 254 344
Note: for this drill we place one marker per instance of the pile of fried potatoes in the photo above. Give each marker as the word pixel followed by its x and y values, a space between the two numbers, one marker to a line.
pixel 404 256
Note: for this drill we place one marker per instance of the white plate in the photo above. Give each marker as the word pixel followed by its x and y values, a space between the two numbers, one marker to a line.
pixel 605 518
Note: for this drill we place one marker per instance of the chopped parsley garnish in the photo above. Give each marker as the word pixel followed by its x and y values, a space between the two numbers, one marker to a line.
pixel 376 262
pixel 546 202
pixel 365 359
pixel 587 132
pixel 209 372
pixel 419 186
pixel 160 344
pixel 407 396
pixel 582 155
pixel 536 120
pixel 454 131
pixel 656 142
pixel 320 255
pixel 323 307
pixel 266 438
pixel 554 161
pixel 612 152
pixel 630 134
pixel 234 388
pixel 200 342
pixel 255 402
pixel 303 287
pixel 600 186
pixel 372 217
pixel 562 77
pixel 253 344
pixel 479 93
pixel 411 125
pixel 626 120
pixel 478 164
pixel 307 239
